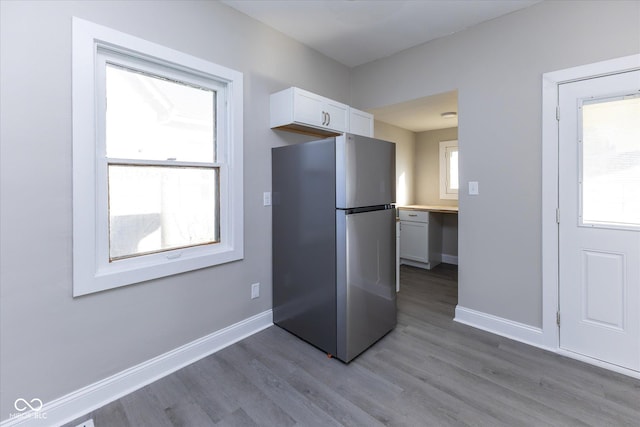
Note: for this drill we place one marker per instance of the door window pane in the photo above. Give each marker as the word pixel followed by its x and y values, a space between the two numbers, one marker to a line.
pixel 158 208
pixel 158 119
pixel 611 162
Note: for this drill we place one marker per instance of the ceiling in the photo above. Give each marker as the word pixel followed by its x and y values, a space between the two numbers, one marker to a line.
pixel 421 114
pixel 354 32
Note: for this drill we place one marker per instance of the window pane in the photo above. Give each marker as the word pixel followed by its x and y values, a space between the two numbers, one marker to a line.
pixel 453 169
pixel 611 162
pixel 157 119
pixel 156 208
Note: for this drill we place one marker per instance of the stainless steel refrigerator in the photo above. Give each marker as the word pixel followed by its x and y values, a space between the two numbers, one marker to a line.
pixel 334 242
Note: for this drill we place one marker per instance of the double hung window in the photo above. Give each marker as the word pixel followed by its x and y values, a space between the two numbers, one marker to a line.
pixel 157 160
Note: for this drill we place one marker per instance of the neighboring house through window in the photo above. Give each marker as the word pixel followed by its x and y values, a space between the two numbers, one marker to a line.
pixel 157 160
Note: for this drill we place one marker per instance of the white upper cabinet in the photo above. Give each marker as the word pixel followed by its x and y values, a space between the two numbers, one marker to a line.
pixel 298 110
pixel 360 122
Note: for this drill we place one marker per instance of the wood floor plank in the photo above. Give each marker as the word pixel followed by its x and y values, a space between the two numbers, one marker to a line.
pixel 239 389
pixel 185 413
pixel 111 414
pixel 479 398
pixel 206 392
pixel 304 411
pixel 429 405
pixel 143 409
pixel 429 371
pixel 238 418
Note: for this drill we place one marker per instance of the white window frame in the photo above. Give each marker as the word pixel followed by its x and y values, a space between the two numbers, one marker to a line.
pixel 92 271
pixel 446 147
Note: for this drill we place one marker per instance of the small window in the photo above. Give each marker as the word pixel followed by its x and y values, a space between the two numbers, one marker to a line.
pixel 449 170
pixel 609 156
pixel 157 158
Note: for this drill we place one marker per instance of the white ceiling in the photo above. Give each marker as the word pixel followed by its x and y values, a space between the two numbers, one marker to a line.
pixel 354 32
pixel 421 114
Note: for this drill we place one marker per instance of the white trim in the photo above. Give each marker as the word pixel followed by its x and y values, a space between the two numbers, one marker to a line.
pixel 92 271
pixel 500 326
pixel 550 289
pixel 450 259
pixel 94 396
pixel 418 264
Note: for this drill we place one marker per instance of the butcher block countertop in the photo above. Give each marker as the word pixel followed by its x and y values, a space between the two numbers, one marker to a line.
pixel 431 208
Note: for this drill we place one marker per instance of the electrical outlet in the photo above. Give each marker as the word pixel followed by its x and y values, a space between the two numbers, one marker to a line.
pixel 255 290
pixel 88 423
pixel 266 198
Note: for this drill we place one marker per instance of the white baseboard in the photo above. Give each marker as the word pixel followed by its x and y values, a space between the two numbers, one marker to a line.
pixel 96 395
pixel 445 258
pixel 500 326
pixel 450 259
pixel 418 264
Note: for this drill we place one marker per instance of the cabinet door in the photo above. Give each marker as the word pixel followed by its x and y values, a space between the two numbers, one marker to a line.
pixel 414 241
pixel 337 115
pixel 360 123
pixel 309 108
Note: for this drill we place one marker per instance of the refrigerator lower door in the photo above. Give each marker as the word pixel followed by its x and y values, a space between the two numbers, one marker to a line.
pixel 366 270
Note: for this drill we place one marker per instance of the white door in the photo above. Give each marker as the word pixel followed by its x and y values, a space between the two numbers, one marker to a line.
pixel 599 201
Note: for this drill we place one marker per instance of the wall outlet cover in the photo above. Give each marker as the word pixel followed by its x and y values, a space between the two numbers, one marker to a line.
pixel 88 423
pixel 473 188
pixel 255 290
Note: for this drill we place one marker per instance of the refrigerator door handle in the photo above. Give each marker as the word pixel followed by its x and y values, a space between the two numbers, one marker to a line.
pixel 352 211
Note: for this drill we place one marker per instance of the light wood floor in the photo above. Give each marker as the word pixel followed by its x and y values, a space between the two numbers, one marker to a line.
pixel 429 371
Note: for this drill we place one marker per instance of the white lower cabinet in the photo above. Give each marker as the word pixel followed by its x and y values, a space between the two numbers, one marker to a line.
pixel 420 238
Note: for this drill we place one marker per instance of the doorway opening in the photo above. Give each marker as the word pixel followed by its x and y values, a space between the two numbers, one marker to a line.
pixel 419 128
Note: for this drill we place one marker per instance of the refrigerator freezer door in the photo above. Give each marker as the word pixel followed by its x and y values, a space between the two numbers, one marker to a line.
pixel 365 172
pixel 366 272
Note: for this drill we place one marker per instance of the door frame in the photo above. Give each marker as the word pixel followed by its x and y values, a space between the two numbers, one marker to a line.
pixel 550 194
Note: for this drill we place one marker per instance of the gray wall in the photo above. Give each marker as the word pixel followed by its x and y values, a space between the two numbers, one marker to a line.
pixel 497 69
pixel 405 159
pixel 52 344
